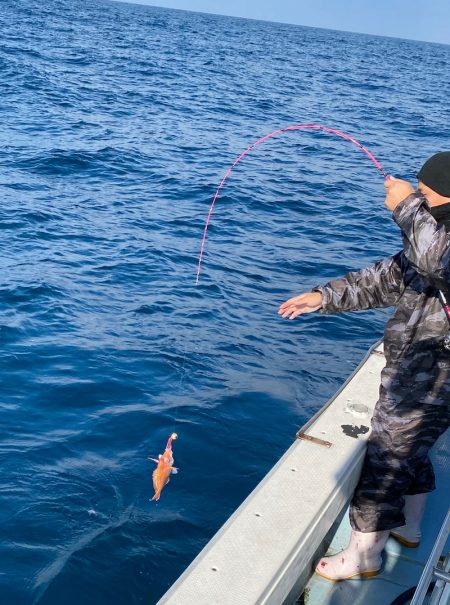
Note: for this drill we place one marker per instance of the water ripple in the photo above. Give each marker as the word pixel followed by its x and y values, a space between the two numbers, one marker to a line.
pixel 118 123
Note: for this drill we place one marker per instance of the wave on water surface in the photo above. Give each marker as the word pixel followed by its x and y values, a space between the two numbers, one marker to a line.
pixel 118 122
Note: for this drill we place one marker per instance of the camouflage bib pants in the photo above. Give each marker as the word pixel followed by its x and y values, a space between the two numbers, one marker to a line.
pixel 405 425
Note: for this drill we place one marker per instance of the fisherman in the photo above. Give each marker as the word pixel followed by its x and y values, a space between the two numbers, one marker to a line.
pixel 413 408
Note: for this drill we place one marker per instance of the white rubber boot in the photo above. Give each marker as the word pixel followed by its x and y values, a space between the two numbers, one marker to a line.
pixel 362 557
pixel 409 534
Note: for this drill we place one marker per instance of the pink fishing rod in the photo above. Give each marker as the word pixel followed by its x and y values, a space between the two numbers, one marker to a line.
pixel 261 140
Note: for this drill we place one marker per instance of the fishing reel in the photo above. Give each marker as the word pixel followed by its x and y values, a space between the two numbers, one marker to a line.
pixel 446 343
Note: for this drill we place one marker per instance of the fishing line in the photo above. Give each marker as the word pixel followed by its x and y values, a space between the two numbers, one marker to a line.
pixel 183 373
pixel 338 133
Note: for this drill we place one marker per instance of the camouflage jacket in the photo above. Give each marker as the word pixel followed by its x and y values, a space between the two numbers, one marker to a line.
pixel 409 280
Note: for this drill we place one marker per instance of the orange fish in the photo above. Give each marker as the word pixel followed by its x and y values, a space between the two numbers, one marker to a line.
pixel 164 468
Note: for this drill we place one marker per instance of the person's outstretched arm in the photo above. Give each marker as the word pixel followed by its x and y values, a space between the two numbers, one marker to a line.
pixel 377 286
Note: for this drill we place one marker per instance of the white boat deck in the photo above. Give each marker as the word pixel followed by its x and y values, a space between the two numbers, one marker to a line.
pixel 265 552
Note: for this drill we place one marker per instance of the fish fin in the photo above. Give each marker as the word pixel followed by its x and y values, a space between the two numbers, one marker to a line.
pixel 174 470
pixel 153 460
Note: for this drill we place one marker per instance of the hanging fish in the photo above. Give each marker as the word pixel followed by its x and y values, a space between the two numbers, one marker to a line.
pixel 164 468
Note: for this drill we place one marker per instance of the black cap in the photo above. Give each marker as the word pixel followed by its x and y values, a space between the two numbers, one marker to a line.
pixel 435 173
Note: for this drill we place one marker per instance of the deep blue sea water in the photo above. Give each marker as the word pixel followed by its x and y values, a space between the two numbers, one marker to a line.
pixel 117 123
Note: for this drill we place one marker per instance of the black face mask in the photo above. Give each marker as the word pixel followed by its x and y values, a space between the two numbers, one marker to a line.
pixel 441 215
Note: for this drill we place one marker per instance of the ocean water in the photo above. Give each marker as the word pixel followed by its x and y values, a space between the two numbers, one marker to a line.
pixel 118 122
